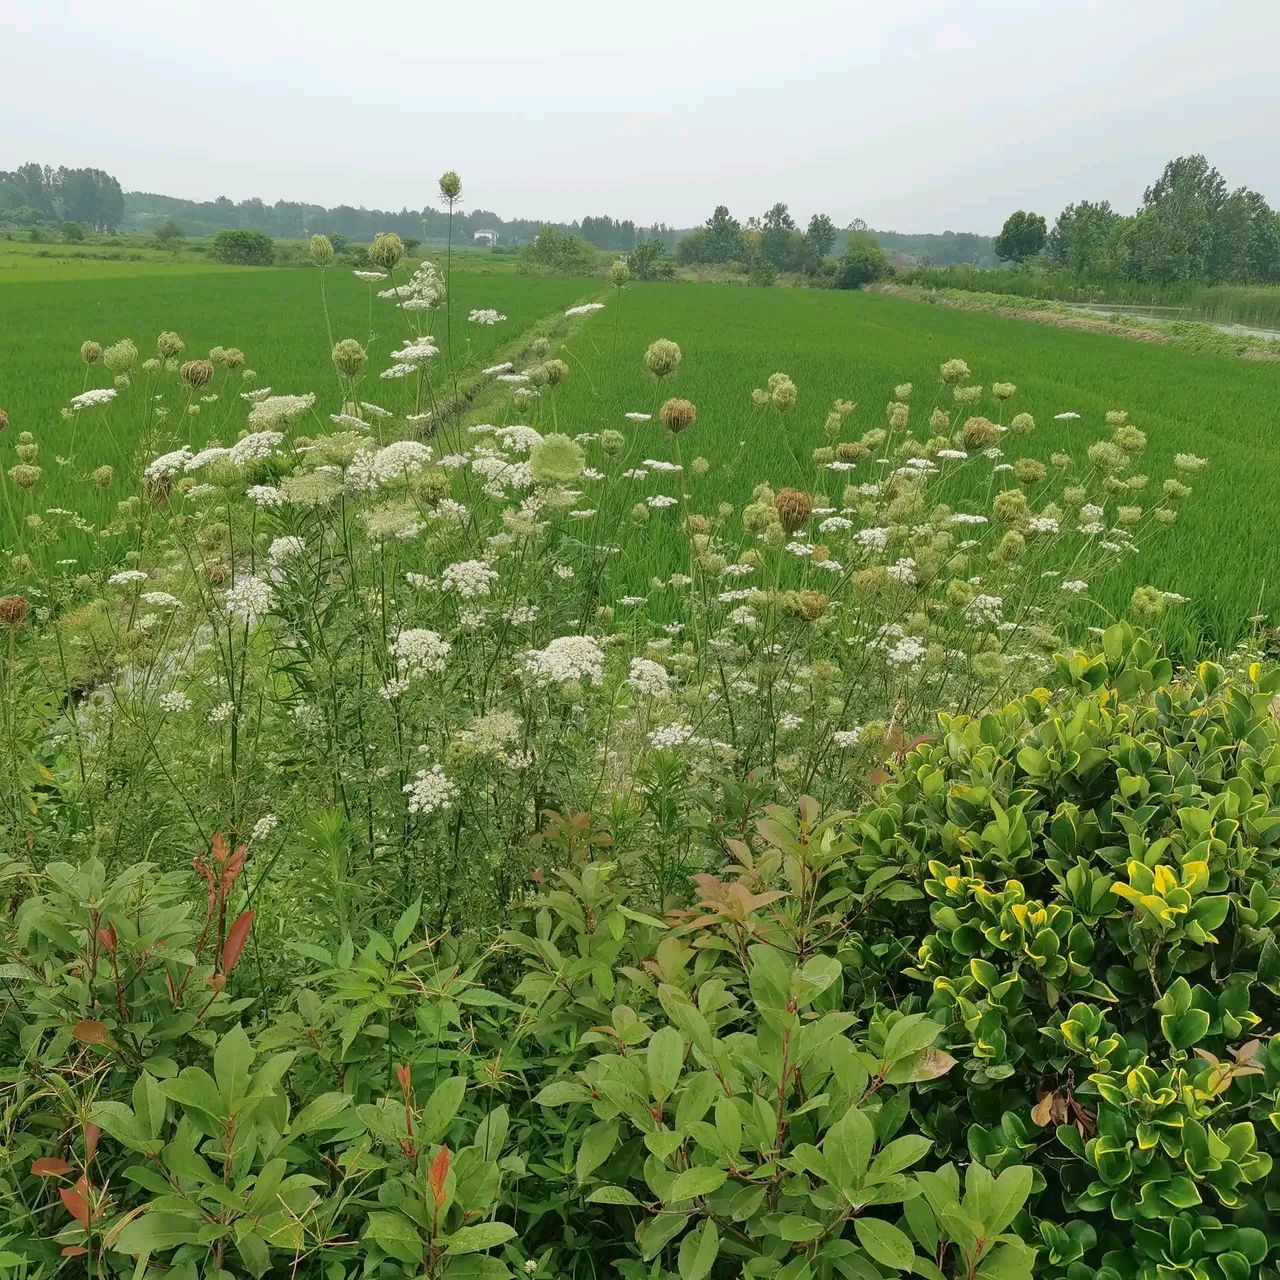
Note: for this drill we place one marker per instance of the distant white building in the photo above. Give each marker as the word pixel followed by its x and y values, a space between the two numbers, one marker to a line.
pixel 486 237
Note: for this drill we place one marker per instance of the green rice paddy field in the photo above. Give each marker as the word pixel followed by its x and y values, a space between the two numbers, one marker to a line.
pixel 1222 553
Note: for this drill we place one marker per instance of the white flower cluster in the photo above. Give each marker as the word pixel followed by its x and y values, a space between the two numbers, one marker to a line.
pixel 264 826
pixel 253 447
pixel 486 315
pixel 566 658
pixel 431 790
pixel 420 651
pixel 671 736
pixel 649 677
pixel 168 464
pixel 174 701
pixel 249 598
pixel 277 410
pixel 585 309
pixel 88 399
pixel 285 548
pixel 373 468
pixel 984 609
pixel 468 579
pixel 126 576
pixel 424 292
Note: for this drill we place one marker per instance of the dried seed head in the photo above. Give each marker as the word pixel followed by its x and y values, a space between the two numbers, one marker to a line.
pixel 980 433
pixel 24 475
pixel 619 274
pixel 794 509
pixel 197 373
pixel 168 344
pixel 103 476
pixel 90 351
pixel 677 414
pixel 450 185
pixel 12 610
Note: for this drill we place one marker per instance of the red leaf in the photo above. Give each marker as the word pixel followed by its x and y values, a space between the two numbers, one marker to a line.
pixel 237 935
pixel 49 1167
pixel 92 1132
pixel 77 1206
pixel 406 1079
pixel 74 1251
pixel 89 1031
pixel 439 1172
pixel 107 938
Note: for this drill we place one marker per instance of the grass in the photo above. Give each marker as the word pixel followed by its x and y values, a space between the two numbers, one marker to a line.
pixel 274 316
pixel 858 346
pixel 1253 305
pixel 835 345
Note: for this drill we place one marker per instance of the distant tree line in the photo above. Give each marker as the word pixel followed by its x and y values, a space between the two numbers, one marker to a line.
pixel 1189 229
pixel 34 193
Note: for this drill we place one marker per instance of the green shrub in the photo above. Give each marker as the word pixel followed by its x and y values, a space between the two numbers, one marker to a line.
pixel 243 248
pixel 1100 871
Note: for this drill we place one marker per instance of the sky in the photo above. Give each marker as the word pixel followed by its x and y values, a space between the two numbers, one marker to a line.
pixel 916 115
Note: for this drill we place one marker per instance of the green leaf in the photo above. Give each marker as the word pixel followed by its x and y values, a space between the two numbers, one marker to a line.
pixel 701 1180
pixel 1005 1198
pixel 120 1122
pixel 318 1113
pixel 156 1232
pixel 770 979
pixel 441 1107
pixel 406 924
pixel 665 1059
pixel 231 1062
pixel 484 1235
pixel 1183 1030
pixel 476 1266
pixel 395 1235
pixel 596 1146
pixel 847 1147
pixel 561 1092
pixel 885 1243
pixel 795 1227
pixel 910 1034
pixel 611 1195
pixel 698 1251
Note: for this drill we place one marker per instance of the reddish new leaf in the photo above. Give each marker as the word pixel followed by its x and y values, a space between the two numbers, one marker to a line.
pixel 76 1205
pixel 439 1172
pixel 74 1251
pixel 49 1167
pixel 92 1132
pixel 90 1031
pixel 406 1079
pixel 107 938
pixel 237 935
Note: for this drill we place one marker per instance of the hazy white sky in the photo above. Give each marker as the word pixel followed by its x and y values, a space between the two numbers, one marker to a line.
pixel 916 115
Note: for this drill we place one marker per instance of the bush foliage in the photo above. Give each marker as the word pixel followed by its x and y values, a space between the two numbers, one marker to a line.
pixel 1000 1021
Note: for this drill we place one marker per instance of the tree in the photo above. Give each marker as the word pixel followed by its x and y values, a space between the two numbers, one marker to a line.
pixel 169 234
pixel 780 242
pixel 648 261
pixel 724 242
pixel 73 232
pixel 1021 237
pixel 411 244
pixel 864 262
pixel 1188 176
pixel 90 195
pixel 821 236
pixel 243 248
pixel 695 247
pixel 1086 239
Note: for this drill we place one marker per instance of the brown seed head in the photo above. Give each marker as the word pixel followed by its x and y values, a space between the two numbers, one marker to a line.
pixel 197 373
pixel 677 414
pixel 12 610
pixel 794 508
